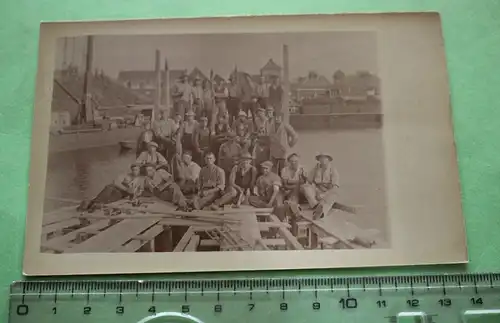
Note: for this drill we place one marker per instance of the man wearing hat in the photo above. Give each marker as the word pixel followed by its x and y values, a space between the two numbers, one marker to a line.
pixel 183 95
pixel 165 130
pixel 161 184
pixel 275 94
pixel 293 176
pixel 198 96
pixel 244 121
pixel 322 185
pixel 128 185
pixel 202 136
pixel 267 188
pixel 281 140
pixel 229 153
pixel 152 156
pixel 186 172
pixel 221 93
pixel 261 121
pixel 211 183
pixel 241 182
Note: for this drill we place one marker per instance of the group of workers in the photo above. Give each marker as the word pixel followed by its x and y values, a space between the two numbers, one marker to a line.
pixel 199 159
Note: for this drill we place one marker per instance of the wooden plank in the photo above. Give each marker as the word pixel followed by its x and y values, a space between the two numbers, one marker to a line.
pixel 274 242
pixel 249 229
pixel 319 229
pixel 114 237
pixel 150 234
pixel 265 226
pixel 209 243
pixel 193 243
pixel 62 242
pixel 59 215
pixel 185 222
pixel 181 245
pixel 287 235
pixel 132 246
pixel 57 226
pixel 141 214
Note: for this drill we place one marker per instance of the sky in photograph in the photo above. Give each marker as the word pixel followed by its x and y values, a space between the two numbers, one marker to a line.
pixel 323 52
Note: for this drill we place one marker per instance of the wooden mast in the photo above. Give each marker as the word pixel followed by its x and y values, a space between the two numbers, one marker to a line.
pixel 86 113
pixel 286 86
pixel 157 100
pixel 166 86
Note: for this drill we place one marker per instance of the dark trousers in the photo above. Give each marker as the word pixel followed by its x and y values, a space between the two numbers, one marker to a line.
pixel 110 194
pixel 233 107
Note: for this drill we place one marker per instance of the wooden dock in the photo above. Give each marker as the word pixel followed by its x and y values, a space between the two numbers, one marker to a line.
pixel 155 226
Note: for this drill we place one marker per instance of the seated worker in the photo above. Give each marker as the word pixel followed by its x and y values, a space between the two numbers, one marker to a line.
pixel 243 138
pixel 128 185
pixel 153 157
pixel 160 183
pixel 211 183
pixel 241 182
pixel 321 189
pixel 187 172
pixel 267 189
pixel 293 176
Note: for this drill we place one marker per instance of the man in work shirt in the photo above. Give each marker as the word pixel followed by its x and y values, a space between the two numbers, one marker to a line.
pixel 321 189
pixel 229 153
pixel 241 182
pixel 165 130
pixel 281 139
pixel 267 188
pixel 234 99
pixel 212 183
pixel 129 185
pixel 294 176
pixel 152 156
pixel 188 172
pixel 183 93
pixel 161 184
pixel 262 92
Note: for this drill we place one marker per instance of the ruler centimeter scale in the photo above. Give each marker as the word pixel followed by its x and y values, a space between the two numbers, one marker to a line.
pixel 454 298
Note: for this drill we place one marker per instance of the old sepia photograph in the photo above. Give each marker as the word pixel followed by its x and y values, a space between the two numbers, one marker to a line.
pixel 216 142
pixel 248 143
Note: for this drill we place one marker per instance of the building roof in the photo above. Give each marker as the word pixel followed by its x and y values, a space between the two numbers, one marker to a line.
pixel 320 82
pixel 197 73
pixel 146 75
pixel 218 78
pixel 271 65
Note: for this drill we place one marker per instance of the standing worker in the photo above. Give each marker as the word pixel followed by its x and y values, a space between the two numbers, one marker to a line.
pixel 281 139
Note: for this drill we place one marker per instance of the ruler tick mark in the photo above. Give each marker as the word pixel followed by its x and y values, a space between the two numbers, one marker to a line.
pixel 88 295
pixel 379 289
pixel 348 291
pixel 153 294
pixel 411 288
pixel 251 293
pixel 218 293
pixel 444 288
pixel 185 293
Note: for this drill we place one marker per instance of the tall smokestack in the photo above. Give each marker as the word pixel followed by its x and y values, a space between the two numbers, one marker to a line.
pixel 157 100
pixel 286 86
pixel 87 112
pixel 166 86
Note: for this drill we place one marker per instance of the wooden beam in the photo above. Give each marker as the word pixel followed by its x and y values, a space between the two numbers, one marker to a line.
pixel 193 243
pixel 209 243
pixel 114 237
pixel 287 235
pixel 265 226
pixel 63 242
pixel 274 242
pixel 181 245
pixel 318 227
pixel 150 234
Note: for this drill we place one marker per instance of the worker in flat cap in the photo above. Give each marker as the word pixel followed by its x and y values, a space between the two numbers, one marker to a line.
pixel 234 103
pixel 294 176
pixel 241 182
pixel 186 172
pixel 182 94
pixel 261 121
pixel 282 138
pixel 160 183
pixel 267 188
pixel 211 183
pixel 127 185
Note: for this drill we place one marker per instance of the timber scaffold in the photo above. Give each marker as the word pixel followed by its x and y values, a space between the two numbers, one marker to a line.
pixel 155 226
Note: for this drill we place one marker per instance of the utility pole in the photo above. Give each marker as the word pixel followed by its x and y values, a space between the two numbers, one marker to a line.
pixel 286 86
pixel 87 113
pixel 157 101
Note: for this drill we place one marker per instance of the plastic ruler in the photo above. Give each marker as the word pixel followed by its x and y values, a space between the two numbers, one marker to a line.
pixel 470 298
